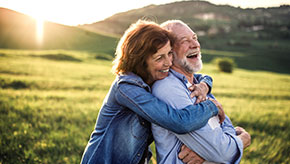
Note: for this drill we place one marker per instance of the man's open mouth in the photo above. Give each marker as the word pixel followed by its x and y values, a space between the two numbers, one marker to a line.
pixel 193 55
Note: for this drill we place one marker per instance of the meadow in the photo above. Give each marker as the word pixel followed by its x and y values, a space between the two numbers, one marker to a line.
pixel 49 102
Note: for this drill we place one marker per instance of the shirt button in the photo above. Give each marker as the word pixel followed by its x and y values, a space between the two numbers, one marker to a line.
pixel 143 123
pixel 138 155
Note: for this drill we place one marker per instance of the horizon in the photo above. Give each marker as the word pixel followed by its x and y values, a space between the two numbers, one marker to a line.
pixel 87 12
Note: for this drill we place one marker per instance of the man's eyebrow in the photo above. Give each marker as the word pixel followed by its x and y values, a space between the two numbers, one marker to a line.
pixel 182 38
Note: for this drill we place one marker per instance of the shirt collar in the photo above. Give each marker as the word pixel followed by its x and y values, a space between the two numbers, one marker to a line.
pixel 181 77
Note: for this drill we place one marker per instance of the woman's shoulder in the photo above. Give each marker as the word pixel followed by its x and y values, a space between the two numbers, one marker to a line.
pixel 131 79
pixel 130 86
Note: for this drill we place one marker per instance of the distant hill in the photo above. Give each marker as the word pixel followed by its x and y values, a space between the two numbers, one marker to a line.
pixel 18 31
pixel 261 36
pixel 204 17
pixel 257 39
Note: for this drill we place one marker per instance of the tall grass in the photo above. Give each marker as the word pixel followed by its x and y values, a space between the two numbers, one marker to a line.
pixel 258 101
pixel 49 105
pixel 49 102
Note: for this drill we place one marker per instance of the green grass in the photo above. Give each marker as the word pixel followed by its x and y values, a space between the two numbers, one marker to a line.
pixel 49 102
pixel 249 53
pixel 49 106
pixel 259 102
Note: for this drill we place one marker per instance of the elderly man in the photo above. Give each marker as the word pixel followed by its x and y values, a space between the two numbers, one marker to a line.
pixel 215 142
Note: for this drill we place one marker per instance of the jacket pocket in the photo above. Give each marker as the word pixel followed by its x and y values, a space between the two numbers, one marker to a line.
pixel 138 127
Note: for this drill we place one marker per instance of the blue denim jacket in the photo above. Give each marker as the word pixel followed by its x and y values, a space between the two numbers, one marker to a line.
pixel 123 131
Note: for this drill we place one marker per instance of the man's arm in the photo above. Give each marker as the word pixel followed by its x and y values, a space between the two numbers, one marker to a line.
pixel 211 144
pixel 214 145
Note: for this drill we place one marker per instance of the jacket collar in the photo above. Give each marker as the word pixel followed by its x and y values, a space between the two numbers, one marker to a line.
pixel 134 79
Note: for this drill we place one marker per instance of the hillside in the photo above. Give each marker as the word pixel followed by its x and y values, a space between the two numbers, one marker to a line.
pixel 203 17
pixel 18 31
pixel 260 36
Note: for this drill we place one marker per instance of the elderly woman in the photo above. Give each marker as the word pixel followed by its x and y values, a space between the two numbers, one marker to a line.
pixel 122 133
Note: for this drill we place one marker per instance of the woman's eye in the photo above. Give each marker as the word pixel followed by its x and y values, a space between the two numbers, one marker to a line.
pixel 158 58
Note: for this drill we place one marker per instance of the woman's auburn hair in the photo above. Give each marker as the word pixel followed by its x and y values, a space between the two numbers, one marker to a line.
pixel 141 40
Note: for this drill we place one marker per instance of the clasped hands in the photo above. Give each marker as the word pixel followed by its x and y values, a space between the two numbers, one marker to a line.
pixel 200 91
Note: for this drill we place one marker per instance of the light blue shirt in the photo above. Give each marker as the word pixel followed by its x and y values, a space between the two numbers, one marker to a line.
pixel 215 143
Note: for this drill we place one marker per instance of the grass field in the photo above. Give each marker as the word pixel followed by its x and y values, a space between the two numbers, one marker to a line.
pixel 49 102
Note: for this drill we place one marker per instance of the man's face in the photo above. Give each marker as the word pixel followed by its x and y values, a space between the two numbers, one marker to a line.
pixel 187 54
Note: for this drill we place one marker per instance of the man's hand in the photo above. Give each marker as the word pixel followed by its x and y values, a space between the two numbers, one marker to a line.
pixel 199 91
pixel 221 113
pixel 189 157
pixel 244 135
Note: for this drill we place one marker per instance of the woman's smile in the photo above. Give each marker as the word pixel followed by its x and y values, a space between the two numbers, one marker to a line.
pixel 159 63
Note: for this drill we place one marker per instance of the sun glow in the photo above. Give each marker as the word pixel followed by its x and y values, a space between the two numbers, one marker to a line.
pixel 74 12
pixel 39 31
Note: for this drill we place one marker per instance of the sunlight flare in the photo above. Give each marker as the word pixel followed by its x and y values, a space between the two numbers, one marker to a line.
pixel 39 31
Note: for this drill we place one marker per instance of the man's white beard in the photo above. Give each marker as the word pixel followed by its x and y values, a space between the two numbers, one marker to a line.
pixel 187 66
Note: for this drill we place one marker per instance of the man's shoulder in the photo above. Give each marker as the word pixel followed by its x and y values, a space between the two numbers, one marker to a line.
pixel 167 85
pixel 169 81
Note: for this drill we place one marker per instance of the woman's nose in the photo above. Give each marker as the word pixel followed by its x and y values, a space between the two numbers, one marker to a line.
pixel 168 61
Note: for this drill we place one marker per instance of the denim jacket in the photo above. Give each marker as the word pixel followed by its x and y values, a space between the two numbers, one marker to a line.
pixel 123 130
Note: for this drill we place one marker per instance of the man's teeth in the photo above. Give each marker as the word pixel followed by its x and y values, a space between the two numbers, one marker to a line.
pixel 193 55
pixel 166 70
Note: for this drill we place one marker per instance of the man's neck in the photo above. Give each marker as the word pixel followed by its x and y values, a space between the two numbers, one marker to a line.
pixel 189 76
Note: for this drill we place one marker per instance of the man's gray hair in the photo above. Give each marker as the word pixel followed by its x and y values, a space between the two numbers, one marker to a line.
pixel 170 24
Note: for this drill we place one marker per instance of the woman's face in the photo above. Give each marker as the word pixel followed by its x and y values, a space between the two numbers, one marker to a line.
pixel 159 63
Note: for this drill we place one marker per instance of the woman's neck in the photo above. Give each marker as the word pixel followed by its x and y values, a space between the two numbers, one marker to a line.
pixel 150 82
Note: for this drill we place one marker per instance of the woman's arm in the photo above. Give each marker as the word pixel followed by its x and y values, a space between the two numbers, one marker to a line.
pixel 147 106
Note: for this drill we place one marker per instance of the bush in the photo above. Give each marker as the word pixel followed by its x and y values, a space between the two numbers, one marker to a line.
pixel 225 64
pixel 104 57
pixel 15 84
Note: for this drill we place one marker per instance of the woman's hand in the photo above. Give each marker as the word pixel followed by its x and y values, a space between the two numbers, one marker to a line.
pixel 189 157
pixel 199 91
pixel 221 114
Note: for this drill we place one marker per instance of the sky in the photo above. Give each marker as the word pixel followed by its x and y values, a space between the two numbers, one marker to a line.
pixel 76 12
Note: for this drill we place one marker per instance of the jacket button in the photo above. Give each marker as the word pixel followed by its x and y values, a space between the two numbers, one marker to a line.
pixel 143 123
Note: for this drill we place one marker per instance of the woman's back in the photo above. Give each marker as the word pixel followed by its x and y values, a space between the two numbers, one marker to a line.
pixel 120 135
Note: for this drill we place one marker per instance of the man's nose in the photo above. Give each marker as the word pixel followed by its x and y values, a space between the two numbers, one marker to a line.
pixel 194 44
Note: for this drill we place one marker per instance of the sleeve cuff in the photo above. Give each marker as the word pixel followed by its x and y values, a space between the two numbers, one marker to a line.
pixel 240 148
